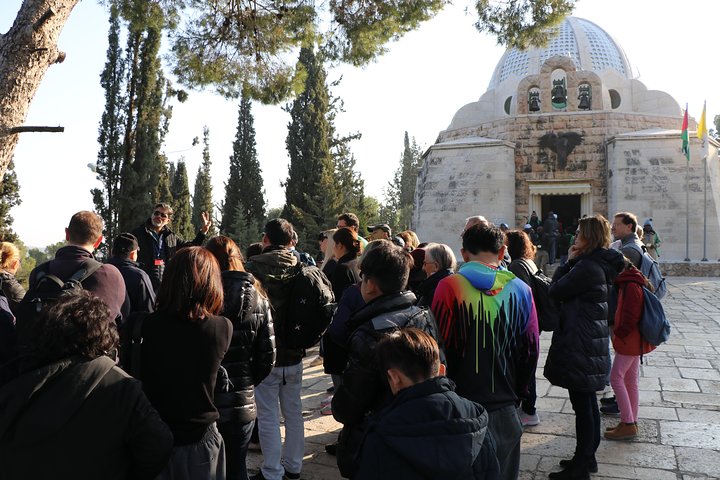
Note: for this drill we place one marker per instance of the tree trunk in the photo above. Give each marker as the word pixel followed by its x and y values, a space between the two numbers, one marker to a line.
pixel 26 52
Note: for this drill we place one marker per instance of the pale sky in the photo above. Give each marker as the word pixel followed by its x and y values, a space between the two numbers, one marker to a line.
pixel 417 86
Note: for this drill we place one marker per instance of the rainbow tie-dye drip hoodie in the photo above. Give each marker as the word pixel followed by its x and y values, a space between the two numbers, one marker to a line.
pixel 488 322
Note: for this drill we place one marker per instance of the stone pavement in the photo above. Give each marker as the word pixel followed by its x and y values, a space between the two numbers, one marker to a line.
pixel 679 406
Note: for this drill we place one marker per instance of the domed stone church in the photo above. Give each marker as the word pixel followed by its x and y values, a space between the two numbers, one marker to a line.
pixel 567 128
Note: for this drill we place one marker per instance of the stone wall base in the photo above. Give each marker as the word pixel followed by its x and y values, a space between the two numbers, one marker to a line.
pixel 691 269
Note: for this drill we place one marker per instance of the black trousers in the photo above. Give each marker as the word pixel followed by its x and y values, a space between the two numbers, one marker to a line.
pixel 587 426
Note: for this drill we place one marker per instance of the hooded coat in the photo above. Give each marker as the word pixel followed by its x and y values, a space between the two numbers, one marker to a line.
pixel 578 356
pixel 364 389
pixel 80 419
pixel 488 322
pixel 276 268
pixel 428 431
pixel 627 339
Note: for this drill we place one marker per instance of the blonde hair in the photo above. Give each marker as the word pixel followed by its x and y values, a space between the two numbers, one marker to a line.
pixel 410 238
pixel 595 231
pixel 9 254
pixel 329 252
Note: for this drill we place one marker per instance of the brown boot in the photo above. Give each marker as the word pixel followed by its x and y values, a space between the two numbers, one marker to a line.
pixel 608 429
pixel 622 432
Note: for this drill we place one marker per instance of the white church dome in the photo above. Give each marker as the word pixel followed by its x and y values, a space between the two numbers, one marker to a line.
pixel 589 46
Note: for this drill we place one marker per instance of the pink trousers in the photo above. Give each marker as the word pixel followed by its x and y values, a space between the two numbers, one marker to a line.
pixel 624 378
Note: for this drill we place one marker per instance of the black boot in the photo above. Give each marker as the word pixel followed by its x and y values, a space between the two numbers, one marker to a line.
pixel 571 473
pixel 592 466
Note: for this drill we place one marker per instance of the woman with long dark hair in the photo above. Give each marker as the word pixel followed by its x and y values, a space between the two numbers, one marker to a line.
pixel 347 250
pixel 578 355
pixel 522 252
pixel 249 358
pixel 184 342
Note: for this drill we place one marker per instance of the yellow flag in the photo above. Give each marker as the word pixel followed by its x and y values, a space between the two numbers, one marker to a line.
pixel 702 133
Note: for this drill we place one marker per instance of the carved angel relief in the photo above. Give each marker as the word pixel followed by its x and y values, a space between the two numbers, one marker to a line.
pixel 562 144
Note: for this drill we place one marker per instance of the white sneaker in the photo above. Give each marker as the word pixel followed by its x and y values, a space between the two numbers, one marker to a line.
pixel 528 420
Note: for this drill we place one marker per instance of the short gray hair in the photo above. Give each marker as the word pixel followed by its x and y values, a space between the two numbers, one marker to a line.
pixel 442 255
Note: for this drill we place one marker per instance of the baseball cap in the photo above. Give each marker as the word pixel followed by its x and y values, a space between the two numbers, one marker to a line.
pixel 383 226
pixel 124 243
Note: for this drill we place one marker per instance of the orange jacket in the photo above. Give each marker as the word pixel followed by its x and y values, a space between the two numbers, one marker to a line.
pixel 627 339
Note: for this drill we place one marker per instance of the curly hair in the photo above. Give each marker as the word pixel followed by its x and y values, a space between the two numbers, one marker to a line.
pixel 78 324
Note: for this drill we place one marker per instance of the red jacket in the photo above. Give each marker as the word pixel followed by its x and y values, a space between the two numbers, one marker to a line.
pixel 627 339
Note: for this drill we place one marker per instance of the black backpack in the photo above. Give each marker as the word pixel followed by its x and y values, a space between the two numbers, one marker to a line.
pixel 309 309
pixel 48 289
pixel 548 311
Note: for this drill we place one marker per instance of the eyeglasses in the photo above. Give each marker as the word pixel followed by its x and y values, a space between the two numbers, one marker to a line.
pixel 428 261
pixel 157 213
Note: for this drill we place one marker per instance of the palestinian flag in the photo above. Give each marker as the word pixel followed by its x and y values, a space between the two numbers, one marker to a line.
pixel 685 140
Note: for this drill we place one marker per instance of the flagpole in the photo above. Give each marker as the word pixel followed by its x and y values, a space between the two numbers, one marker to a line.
pixel 687 187
pixel 704 259
pixel 687 213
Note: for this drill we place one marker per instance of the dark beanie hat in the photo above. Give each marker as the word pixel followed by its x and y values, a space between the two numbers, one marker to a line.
pixel 124 244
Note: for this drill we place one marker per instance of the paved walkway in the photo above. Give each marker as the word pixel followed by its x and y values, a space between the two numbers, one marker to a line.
pixel 679 406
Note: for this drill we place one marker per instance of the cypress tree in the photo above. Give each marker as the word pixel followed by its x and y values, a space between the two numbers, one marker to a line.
pixel 182 222
pixel 400 192
pixel 9 197
pixel 202 199
pixel 244 189
pixel 110 134
pixel 245 231
pixel 146 117
pixel 163 194
pixel 311 195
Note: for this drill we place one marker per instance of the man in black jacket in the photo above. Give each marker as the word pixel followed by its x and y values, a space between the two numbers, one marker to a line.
pixel 137 283
pixel 158 243
pixel 384 271
pixel 428 431
pixel 276 268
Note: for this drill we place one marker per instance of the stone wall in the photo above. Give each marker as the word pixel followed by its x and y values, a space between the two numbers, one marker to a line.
pixel 586 163
pixel 691 269
pixel 459 180
pixel 647 176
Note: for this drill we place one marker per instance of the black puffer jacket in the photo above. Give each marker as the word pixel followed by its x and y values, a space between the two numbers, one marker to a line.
pixel 251 354
pixel 578 354
pixel 364 389
pixel 12 289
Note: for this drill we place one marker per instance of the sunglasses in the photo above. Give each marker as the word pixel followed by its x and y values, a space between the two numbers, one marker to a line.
pixel 160 214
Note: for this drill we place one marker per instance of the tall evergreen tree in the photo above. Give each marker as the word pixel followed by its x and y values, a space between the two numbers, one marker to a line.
pixel 182 222
pixel 163 193
pixel 311 195
pixel 146 114
pixel 245 231
pixel 9 197
pixel 111 133
pixel 244 189
pixel 400 193
pixel 202 199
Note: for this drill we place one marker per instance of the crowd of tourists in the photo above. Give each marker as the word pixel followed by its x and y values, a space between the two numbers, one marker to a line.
pixel 168 359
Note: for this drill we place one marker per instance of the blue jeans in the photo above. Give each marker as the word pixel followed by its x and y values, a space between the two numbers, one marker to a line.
pixel 506 427
pixel 237 438
pixel 283 384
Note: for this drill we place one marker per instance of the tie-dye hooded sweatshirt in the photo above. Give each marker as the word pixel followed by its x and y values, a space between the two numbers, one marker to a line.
pixel 489 326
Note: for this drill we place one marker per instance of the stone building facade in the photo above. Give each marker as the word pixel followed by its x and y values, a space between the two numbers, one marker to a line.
pixel 567 128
